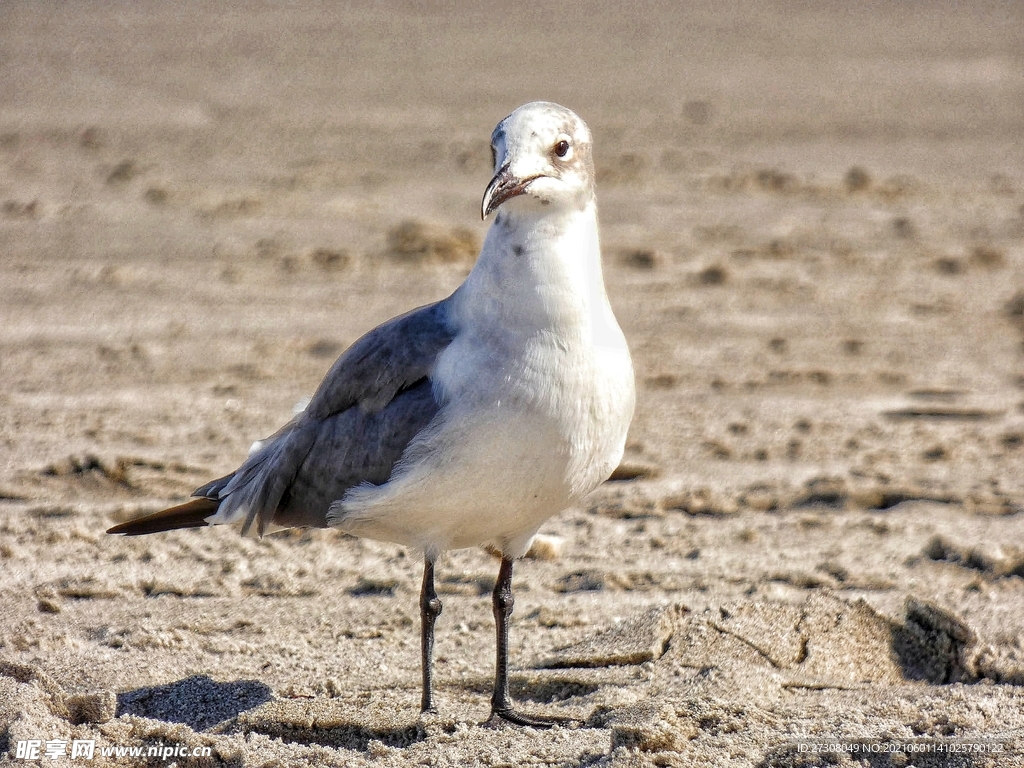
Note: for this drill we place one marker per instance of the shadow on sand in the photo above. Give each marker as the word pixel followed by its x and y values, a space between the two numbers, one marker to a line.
pixel 199 702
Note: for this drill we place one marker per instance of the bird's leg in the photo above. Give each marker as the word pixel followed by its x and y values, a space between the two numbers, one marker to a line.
pixel 430 609
pixel 501 702
pixel 503 603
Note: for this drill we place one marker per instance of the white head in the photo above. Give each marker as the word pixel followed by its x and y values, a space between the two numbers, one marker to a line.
pixel 542 157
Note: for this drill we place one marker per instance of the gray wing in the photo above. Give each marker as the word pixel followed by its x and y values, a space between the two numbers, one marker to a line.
pixel 375 399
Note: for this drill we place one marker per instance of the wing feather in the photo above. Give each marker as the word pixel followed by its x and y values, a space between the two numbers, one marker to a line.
pixel 371 404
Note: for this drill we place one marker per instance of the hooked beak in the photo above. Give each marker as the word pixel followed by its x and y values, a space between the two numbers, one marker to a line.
pixel 503 186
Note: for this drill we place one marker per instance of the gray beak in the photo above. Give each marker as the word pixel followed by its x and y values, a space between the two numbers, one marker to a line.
pixel 502 187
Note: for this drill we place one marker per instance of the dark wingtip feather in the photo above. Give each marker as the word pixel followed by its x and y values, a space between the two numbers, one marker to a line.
pixel 191 514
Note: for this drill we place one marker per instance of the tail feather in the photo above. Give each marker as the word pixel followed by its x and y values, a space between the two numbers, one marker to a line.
pixel 191 514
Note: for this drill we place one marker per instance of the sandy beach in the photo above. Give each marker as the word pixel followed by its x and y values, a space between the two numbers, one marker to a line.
pixel 812 218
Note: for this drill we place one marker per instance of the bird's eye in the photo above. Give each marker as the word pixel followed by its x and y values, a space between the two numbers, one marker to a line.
pixel 562 148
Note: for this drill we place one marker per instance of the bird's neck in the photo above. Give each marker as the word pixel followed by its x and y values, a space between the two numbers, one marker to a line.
pixel 542 269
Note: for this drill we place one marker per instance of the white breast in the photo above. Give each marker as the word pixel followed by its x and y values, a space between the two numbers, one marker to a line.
pixel 538 393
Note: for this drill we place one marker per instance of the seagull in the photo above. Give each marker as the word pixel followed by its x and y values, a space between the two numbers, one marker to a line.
pixel 470 421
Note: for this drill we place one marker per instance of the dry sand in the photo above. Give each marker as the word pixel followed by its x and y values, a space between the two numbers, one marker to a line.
pixel 813 221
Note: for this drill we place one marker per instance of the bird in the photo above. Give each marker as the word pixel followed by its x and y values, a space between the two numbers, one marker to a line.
pixel 469 421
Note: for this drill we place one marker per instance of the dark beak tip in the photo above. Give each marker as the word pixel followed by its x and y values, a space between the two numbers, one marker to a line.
pixel 489 206
pixel 494 195
pixel 502 187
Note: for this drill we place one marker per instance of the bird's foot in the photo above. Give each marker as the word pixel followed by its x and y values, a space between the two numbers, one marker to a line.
pixel 514 716
pixel 431 722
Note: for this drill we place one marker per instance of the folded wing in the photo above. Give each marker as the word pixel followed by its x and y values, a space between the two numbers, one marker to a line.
pixel 375 399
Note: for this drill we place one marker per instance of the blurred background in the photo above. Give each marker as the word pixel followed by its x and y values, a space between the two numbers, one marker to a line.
pixel 813 228
pixel 793 195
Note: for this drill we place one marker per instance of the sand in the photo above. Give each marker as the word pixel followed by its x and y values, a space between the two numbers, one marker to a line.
pixel 813 227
